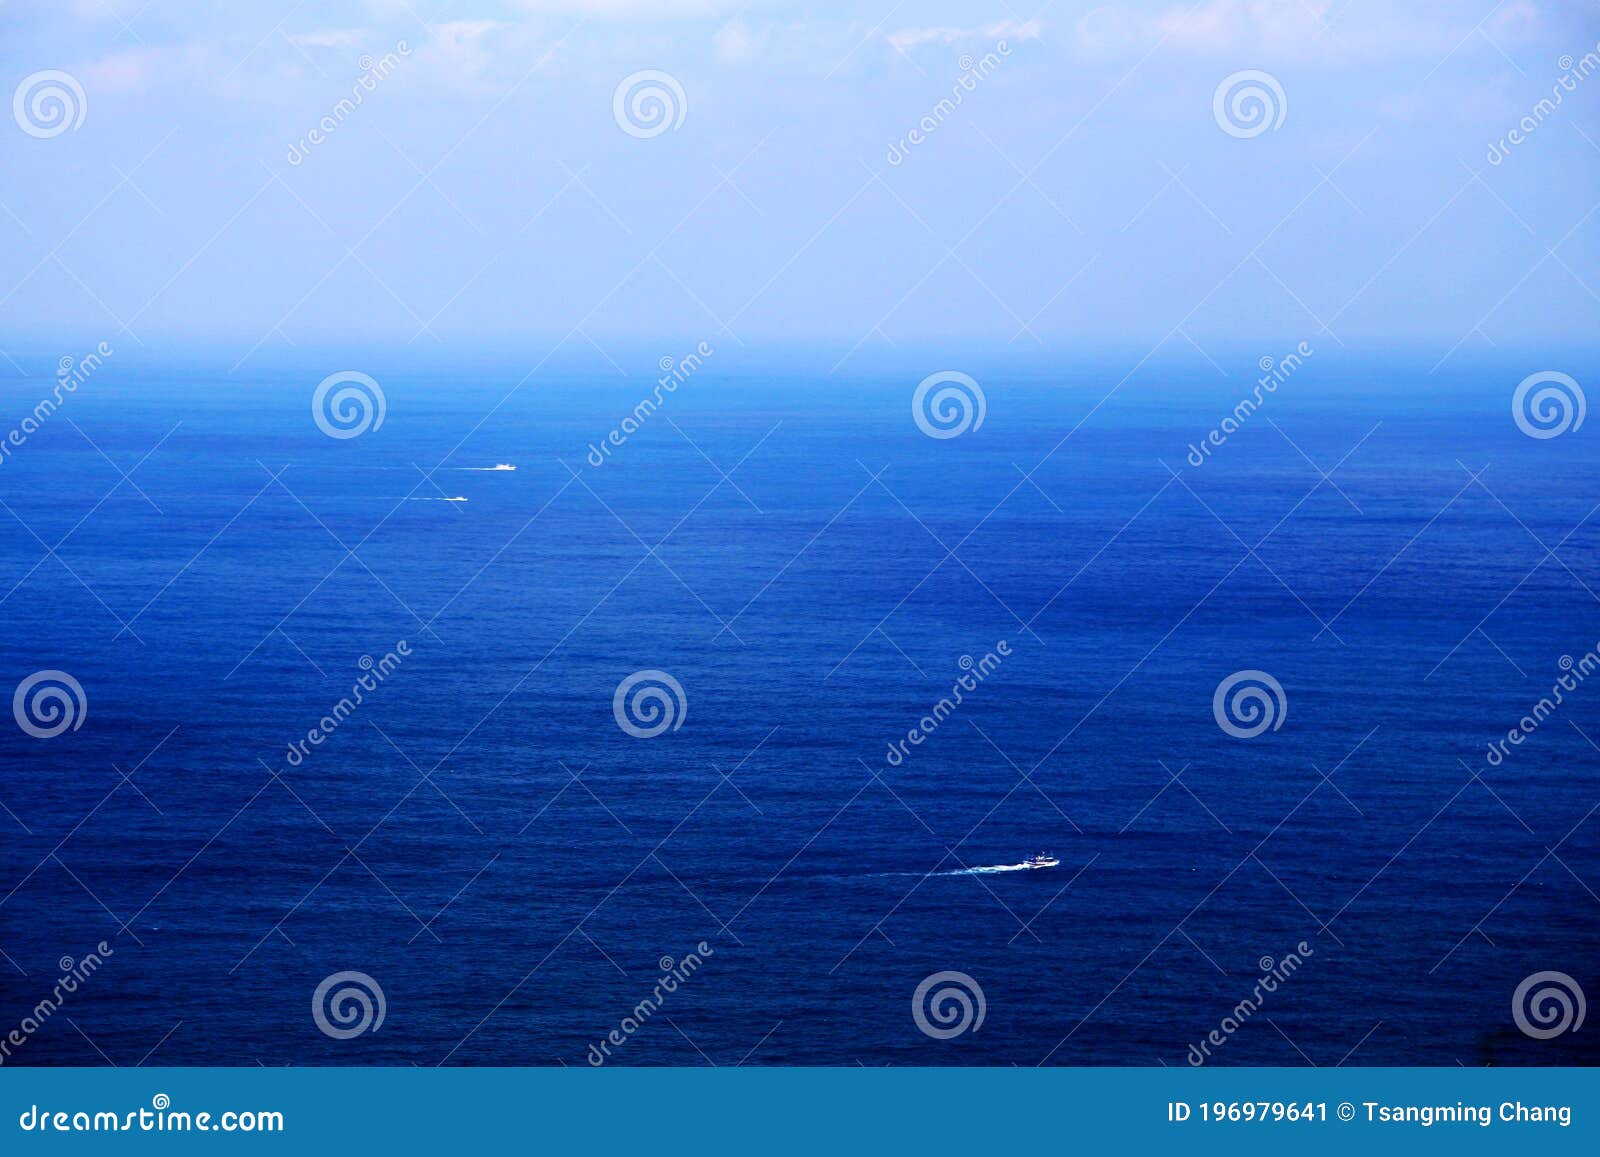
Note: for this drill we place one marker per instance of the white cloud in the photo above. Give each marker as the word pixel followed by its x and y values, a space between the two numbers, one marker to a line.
pixel 733 42
pixel 1300 29
pixel 461 52
pixel 633 11
pixel 333 38
pixel 128 71
pixel 1010 30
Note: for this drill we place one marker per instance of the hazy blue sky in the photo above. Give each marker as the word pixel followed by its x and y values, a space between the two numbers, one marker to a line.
pixel 1082 192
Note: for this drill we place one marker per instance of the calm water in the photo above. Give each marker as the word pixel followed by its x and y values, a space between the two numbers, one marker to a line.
pixel 812 611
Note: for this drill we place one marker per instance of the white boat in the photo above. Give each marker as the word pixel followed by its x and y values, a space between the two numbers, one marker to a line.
pixel 1041 860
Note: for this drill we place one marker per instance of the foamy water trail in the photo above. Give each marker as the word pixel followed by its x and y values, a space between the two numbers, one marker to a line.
pixel 985 870
pixel 497 468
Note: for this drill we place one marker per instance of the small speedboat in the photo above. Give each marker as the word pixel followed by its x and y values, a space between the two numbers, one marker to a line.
pixel 1041 860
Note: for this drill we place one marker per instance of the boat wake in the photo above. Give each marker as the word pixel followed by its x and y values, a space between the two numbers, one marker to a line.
pixel 1032 864
pixel 497 468
pixel 984 870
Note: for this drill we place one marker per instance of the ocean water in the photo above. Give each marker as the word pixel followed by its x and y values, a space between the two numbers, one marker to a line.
pixel 513 869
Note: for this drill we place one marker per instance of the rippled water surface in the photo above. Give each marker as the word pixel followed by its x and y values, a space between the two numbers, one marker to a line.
pixel 515 870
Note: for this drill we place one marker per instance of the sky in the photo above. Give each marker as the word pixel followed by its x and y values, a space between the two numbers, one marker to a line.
pixel 1088 188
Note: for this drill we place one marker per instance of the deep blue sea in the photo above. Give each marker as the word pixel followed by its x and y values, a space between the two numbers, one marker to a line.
pixel 484 841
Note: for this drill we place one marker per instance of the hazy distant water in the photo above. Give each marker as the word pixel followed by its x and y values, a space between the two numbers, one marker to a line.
pixel 812 612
